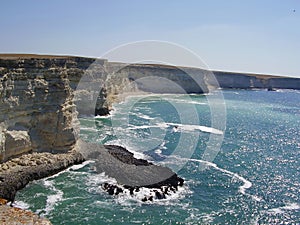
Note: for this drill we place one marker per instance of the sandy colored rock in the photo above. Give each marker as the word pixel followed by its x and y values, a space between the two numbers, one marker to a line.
pixel 14 178
pixel 15 216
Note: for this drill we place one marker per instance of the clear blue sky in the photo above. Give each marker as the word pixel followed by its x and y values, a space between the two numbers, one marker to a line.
pixel 261 36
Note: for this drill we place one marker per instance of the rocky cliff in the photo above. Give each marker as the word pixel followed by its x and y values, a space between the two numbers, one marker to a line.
pixel 39 94
pixel 37 110
pixel 250 81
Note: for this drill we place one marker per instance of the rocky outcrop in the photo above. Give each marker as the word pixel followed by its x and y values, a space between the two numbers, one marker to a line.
pixel 15 174
pixel 131 173
pixel 11 215
pixel 41 96
pixel 37 112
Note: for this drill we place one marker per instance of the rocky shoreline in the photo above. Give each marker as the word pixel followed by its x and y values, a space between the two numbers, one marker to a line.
pixel 12 215
pixel 16 173
pixel 115 161
pixel 130 173
pixel 41 98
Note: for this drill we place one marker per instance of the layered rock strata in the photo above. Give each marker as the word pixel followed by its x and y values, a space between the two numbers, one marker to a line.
pixel 41 96
pixel 37 112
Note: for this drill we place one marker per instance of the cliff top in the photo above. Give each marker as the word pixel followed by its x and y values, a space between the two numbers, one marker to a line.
pixel 35 56
pixel 12 56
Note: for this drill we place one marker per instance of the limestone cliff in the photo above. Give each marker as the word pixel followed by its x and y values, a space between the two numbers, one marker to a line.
pixel 250 81
pixel 37 110
pixel 39 94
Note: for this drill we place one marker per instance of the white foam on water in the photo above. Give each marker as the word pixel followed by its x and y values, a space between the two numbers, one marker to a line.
pixel 179 127
pixel 89 118
pixel 52 199
pixel 126 199
pixel 88 129
pixel 190 127
pixel 247 184
pixel 103 117
pixel 186 101
pixel 79 166
pixel 163 145
pixel 288 90
pixel 144 116
pixel 158 125
pixel 282 209
pixel 94 182
pixel 132 127
pixel 58 174
pixel 74 167
pixel 158 151
pixel 21 204
pixel 242 189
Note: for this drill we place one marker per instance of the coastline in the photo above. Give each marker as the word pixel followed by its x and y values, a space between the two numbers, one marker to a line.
pixel 131 174
pixel 13 215
pixel 16 173
pixel 37 137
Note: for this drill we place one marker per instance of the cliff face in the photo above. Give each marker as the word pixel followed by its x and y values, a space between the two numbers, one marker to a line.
pixel 38 109
pixel 248 81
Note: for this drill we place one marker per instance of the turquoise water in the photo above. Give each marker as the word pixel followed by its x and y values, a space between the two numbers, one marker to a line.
pixel 254 178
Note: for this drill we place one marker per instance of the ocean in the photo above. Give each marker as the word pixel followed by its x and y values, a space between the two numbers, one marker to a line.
pixel 240 163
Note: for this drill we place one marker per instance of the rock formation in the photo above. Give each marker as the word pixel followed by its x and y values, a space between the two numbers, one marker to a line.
pixel 41 97
pixel 131 173
pixel 16 173
pixel 38 112
pixel 10 215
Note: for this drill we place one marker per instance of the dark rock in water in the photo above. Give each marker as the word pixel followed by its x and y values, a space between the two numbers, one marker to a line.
pixel 159 195
pixel 125 156
pixel 131 173
pixel 112 189
pixel 271 89
pixel 101 111
pixel 119 190
pixel 180 181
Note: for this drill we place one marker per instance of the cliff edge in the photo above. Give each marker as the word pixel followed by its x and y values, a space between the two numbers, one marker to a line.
pixel 41 97
pixel 39 94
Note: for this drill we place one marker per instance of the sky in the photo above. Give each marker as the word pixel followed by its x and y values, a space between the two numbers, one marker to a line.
pixel 258 36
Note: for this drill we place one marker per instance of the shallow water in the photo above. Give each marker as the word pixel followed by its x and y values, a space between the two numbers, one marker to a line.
pixel 254 178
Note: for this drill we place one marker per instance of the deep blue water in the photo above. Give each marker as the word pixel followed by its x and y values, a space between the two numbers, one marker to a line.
pixel 254 177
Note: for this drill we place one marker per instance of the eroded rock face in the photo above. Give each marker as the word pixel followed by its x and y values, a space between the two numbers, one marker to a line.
pixel 18 141
pixel 37 112
pixel 41 96
pixel 16 173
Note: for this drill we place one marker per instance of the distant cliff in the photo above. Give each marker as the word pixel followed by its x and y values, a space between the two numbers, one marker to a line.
pixel 39 94
pixel 250 81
